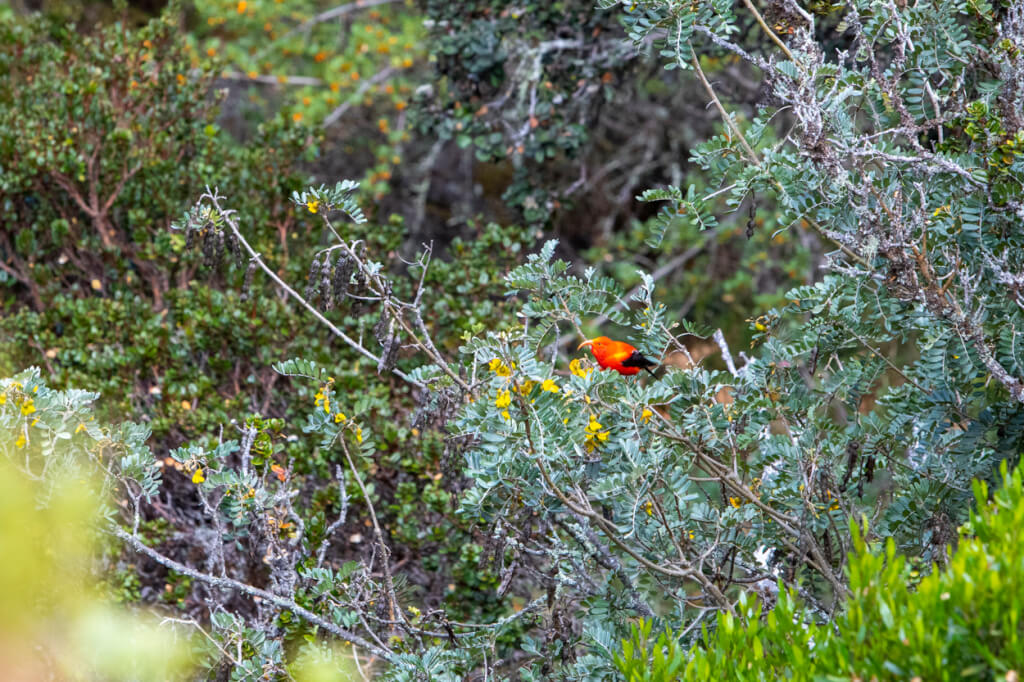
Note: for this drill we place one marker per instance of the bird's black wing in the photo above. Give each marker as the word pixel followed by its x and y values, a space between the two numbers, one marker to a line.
pixel 637 359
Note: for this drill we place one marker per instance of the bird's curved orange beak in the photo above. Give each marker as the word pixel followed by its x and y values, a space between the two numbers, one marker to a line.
pixel 588 342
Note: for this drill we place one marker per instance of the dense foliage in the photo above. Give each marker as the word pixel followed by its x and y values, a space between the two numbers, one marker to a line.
pixel 366 439
pixel 959 623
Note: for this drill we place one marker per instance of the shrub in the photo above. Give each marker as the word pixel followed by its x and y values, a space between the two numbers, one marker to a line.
pixel 107 136
pixel 879 390
pixel 958 623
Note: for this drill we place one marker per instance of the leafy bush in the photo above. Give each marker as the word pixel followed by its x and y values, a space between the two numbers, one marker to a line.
pixel 960 623
pixel 189 354
pixel 53 501
pixel 107 136
pixel 569 501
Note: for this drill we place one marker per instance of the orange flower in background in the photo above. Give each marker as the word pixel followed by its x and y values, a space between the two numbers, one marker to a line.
pixel 279 471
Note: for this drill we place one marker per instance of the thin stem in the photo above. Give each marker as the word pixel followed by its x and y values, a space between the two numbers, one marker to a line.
pixel 230 583
pixel 258 259
pixel 769 31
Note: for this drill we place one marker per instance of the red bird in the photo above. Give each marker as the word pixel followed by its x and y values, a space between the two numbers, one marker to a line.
pixel 618 355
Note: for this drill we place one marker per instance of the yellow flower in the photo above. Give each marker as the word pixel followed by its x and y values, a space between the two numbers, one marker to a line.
pixel 649 508
pixel 28 407
pixel 80 428
pixel 500 368
pixel 595 436
pixel 550 385
pixel 313 205
pixel 20 443
pixel 198 477
pixel 527 386
pixel 3 398
pixel 359 434
pixel 506 416
pixel 338 418
pixel 241 6
pixel 504 399
pixel 646 415
pixel 578 368
pixel 735 501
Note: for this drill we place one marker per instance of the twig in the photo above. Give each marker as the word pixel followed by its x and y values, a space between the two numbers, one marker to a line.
pixel 258 259
pixel 340 111
pixel 326 16
pixel 230 583
pixel 766 29
pixel 719 338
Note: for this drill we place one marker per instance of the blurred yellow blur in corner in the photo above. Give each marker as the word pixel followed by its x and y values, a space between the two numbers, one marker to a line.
pixel 54 623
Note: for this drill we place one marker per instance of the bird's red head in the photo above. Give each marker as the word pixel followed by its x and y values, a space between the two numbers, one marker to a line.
pixel 597 346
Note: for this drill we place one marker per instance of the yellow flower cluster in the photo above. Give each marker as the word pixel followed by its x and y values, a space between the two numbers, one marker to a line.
pixel 26 403
pixel 550 385
pixel 502 402
pixel 595 434
pixel 646 415
pixel 28 406
pixel 498 366
pixel 580 368
pixel 323 397
pixel 198 477
pixel 313 205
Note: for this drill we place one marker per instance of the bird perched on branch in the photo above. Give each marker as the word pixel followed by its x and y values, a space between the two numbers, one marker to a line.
pixel 618 355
